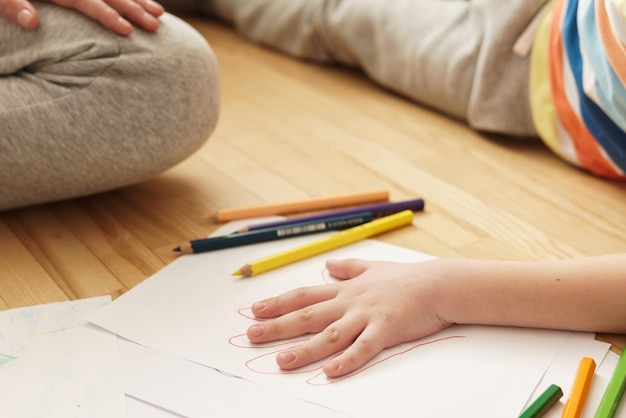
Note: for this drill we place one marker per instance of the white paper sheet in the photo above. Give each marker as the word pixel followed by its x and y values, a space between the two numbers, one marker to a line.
pixel 194 390
pixel 196 310
pixel 138 408
pixel 54 364
pixel 562 370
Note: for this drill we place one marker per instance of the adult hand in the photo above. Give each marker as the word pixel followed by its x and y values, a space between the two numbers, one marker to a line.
pixel 384 304
pixel 116 15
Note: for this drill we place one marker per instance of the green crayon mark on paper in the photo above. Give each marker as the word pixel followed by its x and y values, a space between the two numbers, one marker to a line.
pixel 54 331
pixel 5 358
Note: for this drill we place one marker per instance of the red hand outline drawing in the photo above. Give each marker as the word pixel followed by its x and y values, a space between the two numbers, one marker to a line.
pixel 318 378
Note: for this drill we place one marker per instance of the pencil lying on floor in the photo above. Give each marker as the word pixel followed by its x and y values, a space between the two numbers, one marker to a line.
pixel 340 239
pixel 378 211
pixel 296 206
pixel 271 234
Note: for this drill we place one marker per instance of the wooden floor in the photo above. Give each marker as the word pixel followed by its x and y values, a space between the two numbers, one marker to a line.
pixel 291 130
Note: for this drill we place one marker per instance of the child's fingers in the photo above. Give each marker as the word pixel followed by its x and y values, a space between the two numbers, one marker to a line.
pixel 310 319
pixel 367 345
pixel 336 337
pixel 293 300
pixel 136 12
pixel 152 7
pixel 21 12
pixel 348 268
pixel 101 12
pixel 117 15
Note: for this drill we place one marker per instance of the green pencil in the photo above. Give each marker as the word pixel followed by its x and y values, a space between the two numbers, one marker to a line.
pixel 614 390
pixel 543 403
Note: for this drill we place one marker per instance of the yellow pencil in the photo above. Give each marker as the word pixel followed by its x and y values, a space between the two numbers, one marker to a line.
pixel 578 396
pixel 326 244
pixel 296 206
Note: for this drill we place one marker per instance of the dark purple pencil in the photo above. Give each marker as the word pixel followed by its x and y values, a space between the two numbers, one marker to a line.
pixel 378 210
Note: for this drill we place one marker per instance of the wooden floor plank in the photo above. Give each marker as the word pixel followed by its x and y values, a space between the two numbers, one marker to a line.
pixel 74 268
pixel 125 256
pixel 24 280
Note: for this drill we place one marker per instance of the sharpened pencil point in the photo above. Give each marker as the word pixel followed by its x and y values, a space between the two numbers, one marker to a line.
pixel 245 271
pixel 177 249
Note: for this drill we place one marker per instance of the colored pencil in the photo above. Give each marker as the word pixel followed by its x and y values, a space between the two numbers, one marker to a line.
pixel 297 206
pixel 270 234
pixel 378 211
pixel 543 403
pixel 337 240
pixel 582 383
pixel 614 391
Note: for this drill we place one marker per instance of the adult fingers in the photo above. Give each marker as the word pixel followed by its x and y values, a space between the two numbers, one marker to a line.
pixel 21 12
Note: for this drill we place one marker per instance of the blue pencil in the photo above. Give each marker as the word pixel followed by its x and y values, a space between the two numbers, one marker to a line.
pixel 270 234
pixel 378 211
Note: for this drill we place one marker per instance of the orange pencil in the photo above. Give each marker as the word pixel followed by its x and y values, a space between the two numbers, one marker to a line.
pixel 578 396
pixel 224 215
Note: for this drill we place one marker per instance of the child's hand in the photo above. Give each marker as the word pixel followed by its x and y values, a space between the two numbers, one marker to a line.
pixel 384 305
pixel 116 15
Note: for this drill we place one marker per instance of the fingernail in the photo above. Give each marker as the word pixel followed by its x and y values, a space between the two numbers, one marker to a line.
pixel 259 306
pixel 154 6
pixel 149 17
pixel 256 330
pixel 125 24
pixel 332 366
pixel 287 356
pixel 24 18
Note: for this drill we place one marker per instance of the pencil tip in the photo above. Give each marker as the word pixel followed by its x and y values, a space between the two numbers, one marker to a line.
pixel 178 249
pixel 245 271
pixel 209 218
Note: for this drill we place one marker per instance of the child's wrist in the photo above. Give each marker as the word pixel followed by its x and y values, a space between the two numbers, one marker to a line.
pixel 450 299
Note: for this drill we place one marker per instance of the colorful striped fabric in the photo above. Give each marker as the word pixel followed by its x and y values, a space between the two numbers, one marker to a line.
pixel 578 79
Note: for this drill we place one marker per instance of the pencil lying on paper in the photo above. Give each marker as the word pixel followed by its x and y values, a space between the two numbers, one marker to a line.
pixel 582 383
pixel 270 234
pixel 378 210
pixel 326 244
pixel 306 205
pixel 614 391
pixel 543 403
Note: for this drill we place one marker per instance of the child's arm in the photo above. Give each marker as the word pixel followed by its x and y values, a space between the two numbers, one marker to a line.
pixel 389 303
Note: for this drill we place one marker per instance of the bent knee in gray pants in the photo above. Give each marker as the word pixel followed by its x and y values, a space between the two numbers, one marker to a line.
pixel 83 110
